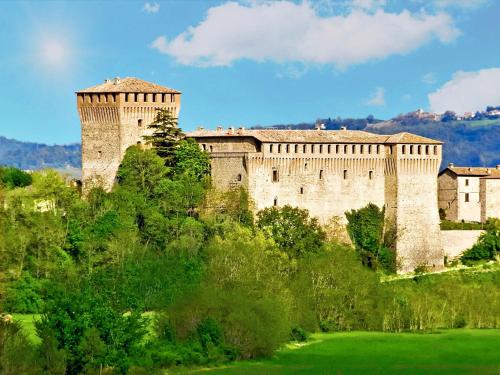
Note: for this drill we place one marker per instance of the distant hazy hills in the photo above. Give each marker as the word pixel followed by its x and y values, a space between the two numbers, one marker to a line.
pixel 468 143
pixel 27 155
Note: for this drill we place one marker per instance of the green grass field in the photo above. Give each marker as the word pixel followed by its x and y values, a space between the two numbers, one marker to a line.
pixel 448 352
pixel 464 351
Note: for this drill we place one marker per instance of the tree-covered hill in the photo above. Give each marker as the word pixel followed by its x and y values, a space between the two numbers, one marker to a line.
pixel 28 155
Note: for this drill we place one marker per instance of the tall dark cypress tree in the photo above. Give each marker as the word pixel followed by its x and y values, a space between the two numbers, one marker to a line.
pixel 166 135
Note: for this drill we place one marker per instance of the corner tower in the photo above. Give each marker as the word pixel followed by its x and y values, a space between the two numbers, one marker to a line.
pixel 114 116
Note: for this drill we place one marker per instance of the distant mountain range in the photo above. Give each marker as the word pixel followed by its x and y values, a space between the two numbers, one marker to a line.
pixel 469 142
pixel 31 156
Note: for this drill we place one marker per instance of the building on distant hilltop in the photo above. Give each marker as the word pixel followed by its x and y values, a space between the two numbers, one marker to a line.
pixel 331 172
pixel 469 193
pixel 115 115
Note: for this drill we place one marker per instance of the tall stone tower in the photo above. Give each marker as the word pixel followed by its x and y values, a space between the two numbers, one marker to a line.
pixel 114 116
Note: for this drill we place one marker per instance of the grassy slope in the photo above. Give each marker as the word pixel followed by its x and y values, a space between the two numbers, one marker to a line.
pixel 448 352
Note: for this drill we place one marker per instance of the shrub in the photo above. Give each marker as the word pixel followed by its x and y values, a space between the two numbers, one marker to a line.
pixel 292 229
pixel 488 245
pixel 24 295
pixel 298 334
pixel 12 177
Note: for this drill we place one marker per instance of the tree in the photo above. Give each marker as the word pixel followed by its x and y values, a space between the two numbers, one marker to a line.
pixel 90 331
pixel 366 229
pixel 166 136
pixel 13 177
pixel 190 159
pixel 292 229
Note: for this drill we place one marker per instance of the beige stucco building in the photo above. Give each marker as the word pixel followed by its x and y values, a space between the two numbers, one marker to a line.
pixel 469 193
pixel 115 115
pixel 331 172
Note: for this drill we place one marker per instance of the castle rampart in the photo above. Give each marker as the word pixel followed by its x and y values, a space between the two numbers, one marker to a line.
pixel 331 172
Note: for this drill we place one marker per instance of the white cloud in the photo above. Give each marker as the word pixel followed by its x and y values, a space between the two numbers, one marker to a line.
pixel 151 7
pixel 284 31
pixel 377 98
pixel 467 92
pixel 429 78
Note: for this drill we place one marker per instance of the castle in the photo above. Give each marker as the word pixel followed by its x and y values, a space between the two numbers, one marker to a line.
pixel 326 172
pixel 114 116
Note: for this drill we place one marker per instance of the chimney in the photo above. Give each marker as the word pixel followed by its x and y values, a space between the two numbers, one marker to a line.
pixel 117 80
pixel 219 129
pixel 343 128
pixel 451 165
pixel 200 128
pixel 241 129
pixel 497 167
pixel 319 126
pixel 230 130
pixel 107 80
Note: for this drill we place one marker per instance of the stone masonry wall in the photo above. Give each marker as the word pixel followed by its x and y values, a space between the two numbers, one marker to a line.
pixel 490 192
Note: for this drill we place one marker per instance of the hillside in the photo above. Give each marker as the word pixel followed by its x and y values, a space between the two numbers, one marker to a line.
pixel 28 155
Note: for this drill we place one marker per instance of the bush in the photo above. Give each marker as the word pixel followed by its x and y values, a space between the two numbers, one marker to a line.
pixel 298 334
pixel 24 295
pixel 487 246
pixel 12 178
pixel 292 229
pixel 17 354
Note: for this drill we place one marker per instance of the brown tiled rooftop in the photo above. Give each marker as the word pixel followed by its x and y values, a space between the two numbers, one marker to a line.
pixel 476 171
pixel 128 84
pixel 317 136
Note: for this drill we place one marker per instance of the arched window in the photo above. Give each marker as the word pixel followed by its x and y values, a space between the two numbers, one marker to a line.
pixel 427 150
pixel 279 149
pixel 403 148
pixel 411 149
pixel 139 122
pixel 345 149
pixel 239 177
pixel 275 201
pixel 271 148
pixel 353 149
pixel 419 150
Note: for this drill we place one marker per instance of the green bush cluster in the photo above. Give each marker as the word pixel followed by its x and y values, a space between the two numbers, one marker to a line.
pixel 488 245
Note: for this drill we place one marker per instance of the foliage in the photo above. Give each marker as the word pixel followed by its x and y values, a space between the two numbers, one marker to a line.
pixel 24 295
pixel 17 354
pixel 190 159
pixel 11 177
pixel 165 136
pixel 366 227
pixel 458 225
pixel 292 229
pixel 487 246
pixel 88 329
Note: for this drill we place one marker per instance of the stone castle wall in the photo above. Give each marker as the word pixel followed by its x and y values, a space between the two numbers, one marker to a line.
pixel 110 124
pixel 333 179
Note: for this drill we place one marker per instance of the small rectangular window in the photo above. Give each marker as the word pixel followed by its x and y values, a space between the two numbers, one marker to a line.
pixel 466 182
pixel 304 149
pixel 435 150
pixel 345 149
pixel 353 149
pixel 139 122
pixel 275 176
pixel 370 175
pixel 345 174
pixel 369 149
pixel 427 150
pixel 211 148
pixel 287 149
pixel 99 154
pixel 320 149
pixel 467 197
pixel 378 149
pixel 275 201
pixel 312 149
pixel 279 149
pixel 337 149
pixel 296 149
pixel 329 149
pixel 239 177
pixel 419 150
pixel 361 149
pixel 403 150
pixel 270 148
pixel 411 149
pixel 321 174
pixel 301 190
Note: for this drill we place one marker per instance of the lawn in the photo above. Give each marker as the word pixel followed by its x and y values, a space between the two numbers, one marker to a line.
pixel 447 352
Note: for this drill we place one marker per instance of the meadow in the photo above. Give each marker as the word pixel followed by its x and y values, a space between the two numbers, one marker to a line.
pixel 466 351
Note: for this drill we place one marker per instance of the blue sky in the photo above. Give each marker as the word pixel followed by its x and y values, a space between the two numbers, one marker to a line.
pixel 248 62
